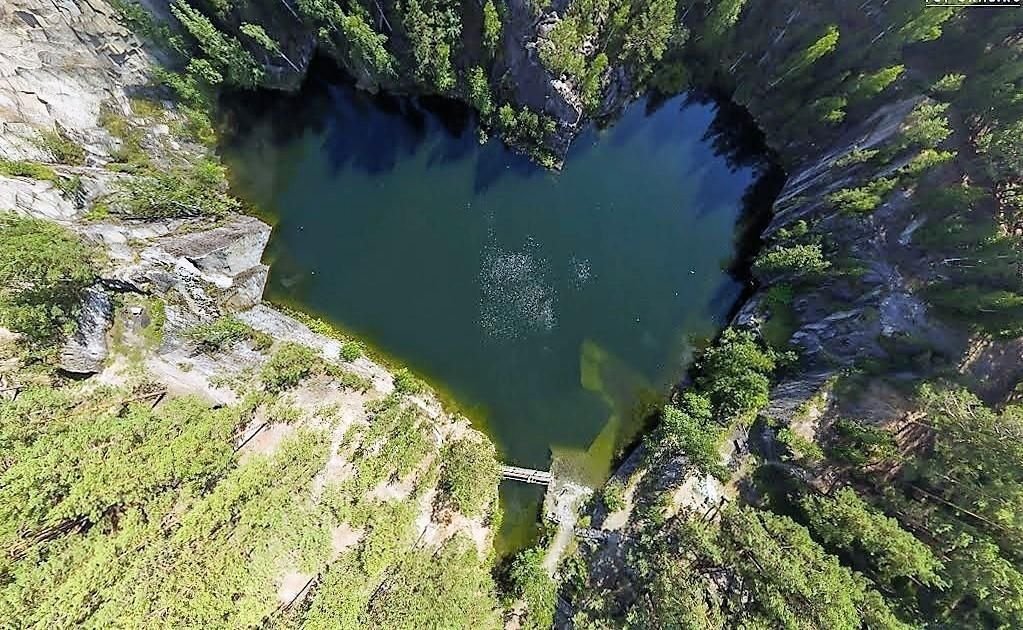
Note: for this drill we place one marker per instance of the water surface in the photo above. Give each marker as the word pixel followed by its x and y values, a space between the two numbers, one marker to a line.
pixel 554 308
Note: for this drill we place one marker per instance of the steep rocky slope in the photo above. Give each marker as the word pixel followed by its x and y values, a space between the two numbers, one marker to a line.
pixel 175 319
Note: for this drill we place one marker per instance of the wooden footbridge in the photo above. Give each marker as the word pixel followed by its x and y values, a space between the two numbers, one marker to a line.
pixel 526 475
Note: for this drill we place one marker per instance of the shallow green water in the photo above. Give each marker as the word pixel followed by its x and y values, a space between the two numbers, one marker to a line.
pixel 554 308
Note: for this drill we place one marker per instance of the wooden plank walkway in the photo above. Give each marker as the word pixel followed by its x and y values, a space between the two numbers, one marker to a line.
pixel 526 475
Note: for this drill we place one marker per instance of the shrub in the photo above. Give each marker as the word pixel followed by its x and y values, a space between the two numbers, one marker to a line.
pixel 856 156
pixel 288 366
pixel 43 270
pixel 491 27
pixel 32 170
pixel 530 582
pixel 948 84
pixel 926 126
pixel 479 91
pixel 926 159
pixel 64 150
pixel 862 199
pixel 405 382
pixel 200 190
pixel 614 496
pixel 861 444
pixel 469 475
pixel 348 379
pixel 350 351
pixel 801 448
pixel 796 260
pixel 224 332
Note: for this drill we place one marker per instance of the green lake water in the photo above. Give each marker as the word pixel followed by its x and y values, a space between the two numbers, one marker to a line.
pixel 554 309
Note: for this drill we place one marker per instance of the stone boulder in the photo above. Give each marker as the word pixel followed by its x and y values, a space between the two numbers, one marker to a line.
pixel 85 350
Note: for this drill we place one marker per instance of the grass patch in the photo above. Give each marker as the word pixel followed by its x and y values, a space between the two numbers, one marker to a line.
pixel 61 147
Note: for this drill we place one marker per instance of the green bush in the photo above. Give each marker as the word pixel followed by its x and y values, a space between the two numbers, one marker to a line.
pixel 948 84
pixel 287 367
pixel 530 582
pixel 224 332
pixel 865 198
pixel 64 150
pixel 801 448
pixel 43 270
pixel 856 156
pixel 926 126
pixel 198 191
pixel 469 475
pixel 350 351
pixel 795 260
pixel 613 496
pixel 926 159
pixel 405 382
pixel 348 379
pixel 32 170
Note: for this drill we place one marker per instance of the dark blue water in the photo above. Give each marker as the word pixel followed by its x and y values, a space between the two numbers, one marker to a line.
pixel 554 308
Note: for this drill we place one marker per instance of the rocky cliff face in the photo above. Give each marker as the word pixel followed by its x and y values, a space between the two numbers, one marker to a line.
pixel 69 66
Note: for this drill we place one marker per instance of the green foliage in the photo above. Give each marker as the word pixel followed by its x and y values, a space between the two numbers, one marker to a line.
pixel 948 84
pixel 469 475
pixel 995 311
pixel 861 444
pixel 792 260
pixel 62 147
pixel 613 496
pixel 224 51
pixel 350 351
pixel 802 60
pixel 649 31
pixel 32 170
pixel 530 582
pixel 830 109
pixel 43 270
pixel 434 28
pixel 847 522
pixel 856 156
pixel 723 16
pixel 926 126
pixel 479 92
pixel 778 576
pixel 867 86
pixel 405 382
pixel 224 332
pixel 865 198
pixel 197 191
pixel 688 430
pixel 491 27
pixel 135 16
pixel 1003 146
pixel 365 47
pixel 925 160
pixel 735 373
pixel 129 155
pixel 802 449
pixel 287 367
pixel 926 26
pixel 782 321
pixel 525 128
